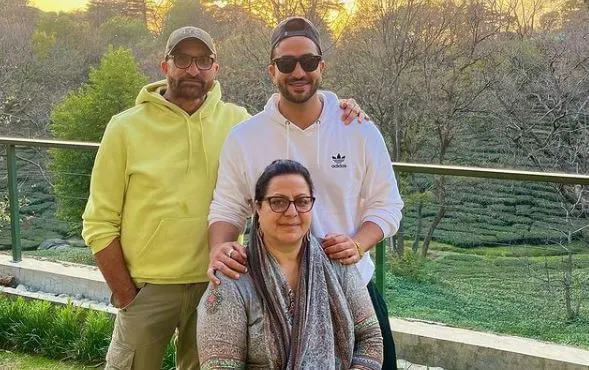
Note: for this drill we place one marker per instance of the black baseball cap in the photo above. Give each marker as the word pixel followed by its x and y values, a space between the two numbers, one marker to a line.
pixel 296 26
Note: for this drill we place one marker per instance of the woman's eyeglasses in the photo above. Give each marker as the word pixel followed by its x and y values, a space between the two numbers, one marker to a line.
pixel 280 204
pixel 287 64
pixel 183 61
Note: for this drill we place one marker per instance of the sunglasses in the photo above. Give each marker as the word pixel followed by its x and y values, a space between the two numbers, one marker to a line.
pixel 288 64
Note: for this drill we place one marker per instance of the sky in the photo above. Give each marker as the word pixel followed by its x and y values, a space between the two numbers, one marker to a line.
pixel 69 5
pixel 59 5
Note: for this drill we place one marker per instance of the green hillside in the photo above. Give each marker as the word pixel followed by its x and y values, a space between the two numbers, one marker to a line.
pixel 488 212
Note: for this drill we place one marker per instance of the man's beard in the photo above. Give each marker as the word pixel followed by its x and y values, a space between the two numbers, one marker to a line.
pixel 180 90
pixel 298 99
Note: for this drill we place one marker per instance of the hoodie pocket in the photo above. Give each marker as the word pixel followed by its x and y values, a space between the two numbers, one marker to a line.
pixel 175 249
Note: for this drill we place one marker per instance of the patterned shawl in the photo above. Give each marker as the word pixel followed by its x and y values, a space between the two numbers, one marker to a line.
pixel 321 333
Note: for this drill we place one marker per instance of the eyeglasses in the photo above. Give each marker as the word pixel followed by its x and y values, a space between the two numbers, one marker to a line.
pixel 287 64
pixel 183 61
pixel 280 204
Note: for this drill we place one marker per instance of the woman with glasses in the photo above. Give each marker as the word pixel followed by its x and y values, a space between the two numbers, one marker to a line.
pixel 294 309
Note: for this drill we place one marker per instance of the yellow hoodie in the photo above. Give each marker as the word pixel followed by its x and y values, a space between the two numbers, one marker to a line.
pixel 153 181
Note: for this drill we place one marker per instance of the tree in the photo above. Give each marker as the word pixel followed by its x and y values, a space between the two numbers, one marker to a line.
pixel 16 59
pixel 187 13
pixel 244 58
pixel 83 115
pixel 121 31
pixel 99 11
pixel 540 98
pixel 271 12
pixel 416 67
pixel 142 11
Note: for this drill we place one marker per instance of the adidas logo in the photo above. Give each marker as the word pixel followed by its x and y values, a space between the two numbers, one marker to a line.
pixel 338 161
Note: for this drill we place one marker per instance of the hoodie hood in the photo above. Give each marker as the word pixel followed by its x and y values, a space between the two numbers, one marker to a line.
pixel 329 113
pixel 153 93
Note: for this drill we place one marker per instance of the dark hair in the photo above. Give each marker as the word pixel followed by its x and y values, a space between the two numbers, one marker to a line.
pixel 278 168
pixel 256 255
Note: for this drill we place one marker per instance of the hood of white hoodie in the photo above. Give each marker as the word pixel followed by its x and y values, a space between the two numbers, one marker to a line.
pixel 329 115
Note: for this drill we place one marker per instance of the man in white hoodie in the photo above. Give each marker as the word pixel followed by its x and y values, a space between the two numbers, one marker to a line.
pixel 358 202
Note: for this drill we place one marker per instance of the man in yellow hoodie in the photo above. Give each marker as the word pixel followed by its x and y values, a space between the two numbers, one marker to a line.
pixel 151 186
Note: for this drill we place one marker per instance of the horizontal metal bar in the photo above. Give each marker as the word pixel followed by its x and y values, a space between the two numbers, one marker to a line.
pixel 433 169
pixel 17 141
pixel 492 173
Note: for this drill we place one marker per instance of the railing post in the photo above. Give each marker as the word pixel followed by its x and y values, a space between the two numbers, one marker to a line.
pixel 380 266
pixel 13 199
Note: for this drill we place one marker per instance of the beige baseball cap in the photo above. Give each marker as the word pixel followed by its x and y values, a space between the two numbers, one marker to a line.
pixel 190 32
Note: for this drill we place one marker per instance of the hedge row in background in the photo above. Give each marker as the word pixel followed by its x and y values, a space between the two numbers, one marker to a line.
pixel 58 332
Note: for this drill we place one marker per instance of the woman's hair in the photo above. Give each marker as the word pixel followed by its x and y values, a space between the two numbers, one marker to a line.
pixel 256 257
pixel 278 168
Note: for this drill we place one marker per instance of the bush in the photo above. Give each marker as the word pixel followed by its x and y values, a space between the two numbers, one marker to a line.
pixel 58 332
pixel 409 265
pixel 83 116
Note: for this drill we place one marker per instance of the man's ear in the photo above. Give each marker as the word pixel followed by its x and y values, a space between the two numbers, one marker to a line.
pixel 164 67
pixel 216 69
pixel 322 66
pixel 272 72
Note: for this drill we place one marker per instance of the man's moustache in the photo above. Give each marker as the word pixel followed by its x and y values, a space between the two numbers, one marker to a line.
pixel 292 80
pixel 192 80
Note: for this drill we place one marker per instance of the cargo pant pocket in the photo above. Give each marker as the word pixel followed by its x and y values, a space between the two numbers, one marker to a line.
pixel 119 357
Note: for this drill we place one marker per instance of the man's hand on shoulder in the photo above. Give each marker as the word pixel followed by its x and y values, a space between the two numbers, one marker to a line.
pixel 351 110
pixel 228 258
pixel 341 248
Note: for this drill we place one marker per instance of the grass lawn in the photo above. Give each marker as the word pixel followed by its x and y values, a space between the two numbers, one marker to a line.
pixel 77 255
pixel 492 292
pixel 18 361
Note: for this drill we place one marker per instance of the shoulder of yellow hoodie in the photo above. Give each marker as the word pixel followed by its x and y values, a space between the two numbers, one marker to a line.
pixel 236 113
pixel 128 115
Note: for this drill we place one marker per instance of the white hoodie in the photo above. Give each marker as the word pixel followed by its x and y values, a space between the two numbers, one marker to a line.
pixel 349 165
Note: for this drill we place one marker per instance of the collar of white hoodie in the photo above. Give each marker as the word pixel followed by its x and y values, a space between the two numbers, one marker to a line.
pixel 330 113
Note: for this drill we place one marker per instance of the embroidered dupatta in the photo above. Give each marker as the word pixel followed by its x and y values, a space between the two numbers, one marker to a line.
pixel 320 334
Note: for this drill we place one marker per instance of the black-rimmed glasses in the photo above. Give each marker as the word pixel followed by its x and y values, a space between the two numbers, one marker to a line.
pixel 183 61
pixel 280 204
pixel 287 64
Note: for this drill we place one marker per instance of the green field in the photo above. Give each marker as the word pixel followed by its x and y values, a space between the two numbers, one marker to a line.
pixel 495 290
pixel 489 212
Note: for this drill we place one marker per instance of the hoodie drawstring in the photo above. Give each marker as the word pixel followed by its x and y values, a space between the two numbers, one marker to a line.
pixel 202 138
pixel 287 123
pixel 189 145
pixel 317 126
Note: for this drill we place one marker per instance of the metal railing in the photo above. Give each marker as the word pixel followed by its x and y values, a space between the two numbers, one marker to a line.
pixel 11 143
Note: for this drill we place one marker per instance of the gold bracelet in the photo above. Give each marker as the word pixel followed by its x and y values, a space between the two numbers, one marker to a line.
pixel 359 248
